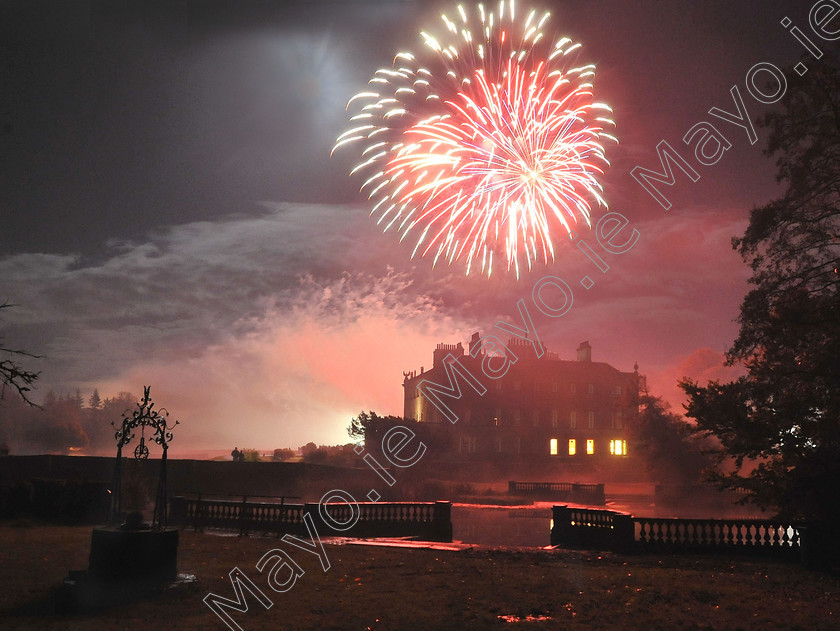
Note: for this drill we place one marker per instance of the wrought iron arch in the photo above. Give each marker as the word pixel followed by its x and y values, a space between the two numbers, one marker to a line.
pixel 144 416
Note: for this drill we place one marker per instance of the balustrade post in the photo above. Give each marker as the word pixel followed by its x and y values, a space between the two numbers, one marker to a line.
pixel 197 514
pixel 600 496
pixel 320 524
pixel 560 525
pixel 442 521
pixel 243 528
pixel 281 513
pixel 624 533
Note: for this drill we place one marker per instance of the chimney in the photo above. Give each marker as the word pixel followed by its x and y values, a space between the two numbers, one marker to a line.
pixel 474 341
pixel 584 352
pixel 443 350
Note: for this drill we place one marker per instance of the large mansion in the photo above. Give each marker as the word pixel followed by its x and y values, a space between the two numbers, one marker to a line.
pixel 514 404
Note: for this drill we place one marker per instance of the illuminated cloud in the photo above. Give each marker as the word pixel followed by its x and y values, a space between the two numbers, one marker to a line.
pixel 274 329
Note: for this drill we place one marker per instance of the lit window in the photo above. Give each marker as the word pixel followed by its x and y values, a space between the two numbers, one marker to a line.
pixel 590 446
pixel 552 446
pixel 572 446
pixel 618 447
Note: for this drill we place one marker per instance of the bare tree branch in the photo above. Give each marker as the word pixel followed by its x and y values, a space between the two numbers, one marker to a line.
pixel 12 375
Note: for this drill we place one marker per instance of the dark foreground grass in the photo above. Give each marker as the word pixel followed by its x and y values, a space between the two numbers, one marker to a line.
pixel 395 588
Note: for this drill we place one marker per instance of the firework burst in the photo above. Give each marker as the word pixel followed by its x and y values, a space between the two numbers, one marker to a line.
pixel 487 146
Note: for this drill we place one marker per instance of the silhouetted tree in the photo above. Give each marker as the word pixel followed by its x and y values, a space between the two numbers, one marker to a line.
pixel 12 375
pixel 308 449
pixel 780 423
pixel 250 455
pixel 281 455
pixel 367 423
pixel 97 421
pixel 672 453
pixel 95 402
pixel 56 427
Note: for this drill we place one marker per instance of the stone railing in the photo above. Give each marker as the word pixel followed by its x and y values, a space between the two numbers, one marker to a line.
pixel 611 530
pixel 264 517
pixel 429 520
pixel 562 491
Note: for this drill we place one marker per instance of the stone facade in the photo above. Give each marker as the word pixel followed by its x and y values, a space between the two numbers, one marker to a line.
pixel 500 399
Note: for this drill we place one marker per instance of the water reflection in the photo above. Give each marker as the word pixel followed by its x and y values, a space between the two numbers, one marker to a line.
pixel 520 526
pixel 530 526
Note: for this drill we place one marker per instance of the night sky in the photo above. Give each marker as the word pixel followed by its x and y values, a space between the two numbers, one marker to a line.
pixel 171 215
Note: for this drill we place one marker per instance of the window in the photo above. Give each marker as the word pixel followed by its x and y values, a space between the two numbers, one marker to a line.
pixel 498 385
pixel 591 388
pixel 517 386
pixel 554 386
pixel 618 447
pixel 590 446
pixel 573 419
pixel 618 389
pixel 572 387
pixel 554 417
pixel 516 416
pixel 552 447
pixel 572 446
pixel 617 421
pixel 499 445
pixel 536 418
pixel 591 420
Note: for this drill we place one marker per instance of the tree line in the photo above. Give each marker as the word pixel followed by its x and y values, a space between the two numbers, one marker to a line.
pixel 63 423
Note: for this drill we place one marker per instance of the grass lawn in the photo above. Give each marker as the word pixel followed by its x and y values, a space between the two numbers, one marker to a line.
pixel 371 587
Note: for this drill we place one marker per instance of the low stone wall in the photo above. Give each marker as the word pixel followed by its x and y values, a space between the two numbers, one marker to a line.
pixel 611 530
pixel 426 520
pixel 560 491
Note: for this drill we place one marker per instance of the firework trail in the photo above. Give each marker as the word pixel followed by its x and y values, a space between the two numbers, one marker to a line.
pixel 487 146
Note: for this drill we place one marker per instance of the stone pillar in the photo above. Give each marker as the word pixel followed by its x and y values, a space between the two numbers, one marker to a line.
pixel 600 497
pixel 442 521
pixel 624 533
pixel 560 526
